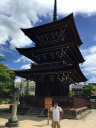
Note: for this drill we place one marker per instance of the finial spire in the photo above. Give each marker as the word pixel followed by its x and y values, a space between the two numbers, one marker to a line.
pixel 55 12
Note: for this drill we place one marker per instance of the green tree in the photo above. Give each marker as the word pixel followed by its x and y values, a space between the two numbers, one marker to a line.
pixel 87 91
pixel 27 88
pixel 71 94
pixel 1 58
pixel 7 77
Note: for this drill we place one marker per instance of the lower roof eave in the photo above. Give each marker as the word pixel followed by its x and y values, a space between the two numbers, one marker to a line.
pixel 74 70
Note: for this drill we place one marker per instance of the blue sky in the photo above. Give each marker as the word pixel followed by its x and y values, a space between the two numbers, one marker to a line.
pixel 19 14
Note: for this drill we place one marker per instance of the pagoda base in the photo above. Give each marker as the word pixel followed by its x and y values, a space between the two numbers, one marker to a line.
pixel 73 107
pixel 71 113
pixel 11 123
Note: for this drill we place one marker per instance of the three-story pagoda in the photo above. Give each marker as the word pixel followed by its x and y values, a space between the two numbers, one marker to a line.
pixel 56 54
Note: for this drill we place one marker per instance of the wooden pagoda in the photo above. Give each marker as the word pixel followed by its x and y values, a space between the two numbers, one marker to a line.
pixel 56 54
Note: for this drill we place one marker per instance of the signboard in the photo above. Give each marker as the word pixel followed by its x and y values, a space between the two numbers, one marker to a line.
pixel 48 103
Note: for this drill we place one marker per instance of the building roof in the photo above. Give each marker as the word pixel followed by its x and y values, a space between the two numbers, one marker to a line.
pixel 68 49
pixel 54 32
pixel 72 72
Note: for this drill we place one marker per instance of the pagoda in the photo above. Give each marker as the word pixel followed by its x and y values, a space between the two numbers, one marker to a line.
pixel 56 54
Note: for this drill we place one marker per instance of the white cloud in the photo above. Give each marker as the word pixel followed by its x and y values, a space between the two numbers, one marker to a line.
pixel 93 80
pixel 84 52
pixel 2 55
pixel 27 66
pixel 5 6
pixel 89 66
pixel 9 31
pixel 5 49
pixel 23 59
pixel 16 14
pixel 92 50
pixel 18 79
pixel 67 6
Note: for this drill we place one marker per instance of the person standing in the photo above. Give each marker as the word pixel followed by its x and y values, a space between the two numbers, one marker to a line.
pixel 57 113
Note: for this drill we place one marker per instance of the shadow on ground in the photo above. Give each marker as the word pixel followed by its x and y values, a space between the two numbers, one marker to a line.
pixel 2 126
pixel 7 115
pixel 39 125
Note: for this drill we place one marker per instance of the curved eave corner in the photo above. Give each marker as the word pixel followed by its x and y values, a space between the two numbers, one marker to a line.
pixel 24 31
pixel 80 72
pixel 19 50
pixel 80 42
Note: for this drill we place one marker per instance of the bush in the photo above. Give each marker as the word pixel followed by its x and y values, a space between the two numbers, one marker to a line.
pixel 5 101
pixel 87 91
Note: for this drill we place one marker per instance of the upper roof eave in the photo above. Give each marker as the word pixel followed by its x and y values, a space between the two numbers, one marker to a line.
pixel 70 16
pixel 50 25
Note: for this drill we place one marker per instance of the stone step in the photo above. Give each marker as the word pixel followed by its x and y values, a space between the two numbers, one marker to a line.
pixel 35 112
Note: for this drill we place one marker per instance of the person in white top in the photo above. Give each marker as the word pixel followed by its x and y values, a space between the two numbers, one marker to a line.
pixel 57 112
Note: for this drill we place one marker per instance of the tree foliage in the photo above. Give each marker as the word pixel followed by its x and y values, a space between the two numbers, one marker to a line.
pixel 7 77
pixel 1 58
pixel 87 91
pixel 71 94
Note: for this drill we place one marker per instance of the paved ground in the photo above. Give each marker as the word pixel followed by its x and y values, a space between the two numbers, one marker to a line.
pixel 34 122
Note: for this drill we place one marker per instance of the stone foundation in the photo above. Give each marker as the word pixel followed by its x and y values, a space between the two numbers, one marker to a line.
pixel 73 107
pixel 72 113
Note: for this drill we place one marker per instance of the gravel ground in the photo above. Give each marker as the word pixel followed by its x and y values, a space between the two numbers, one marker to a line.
pixel 88 121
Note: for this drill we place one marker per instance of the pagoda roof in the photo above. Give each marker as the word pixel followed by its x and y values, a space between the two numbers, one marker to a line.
pixel 73 70
pixel 66 23
pixel 32 52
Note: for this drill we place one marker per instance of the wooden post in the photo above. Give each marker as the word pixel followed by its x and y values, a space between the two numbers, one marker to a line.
pixel 48 116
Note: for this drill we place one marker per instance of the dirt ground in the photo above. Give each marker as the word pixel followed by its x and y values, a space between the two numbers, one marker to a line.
pixel 88 121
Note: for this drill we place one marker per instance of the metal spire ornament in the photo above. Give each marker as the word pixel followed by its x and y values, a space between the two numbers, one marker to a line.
pixel 55 12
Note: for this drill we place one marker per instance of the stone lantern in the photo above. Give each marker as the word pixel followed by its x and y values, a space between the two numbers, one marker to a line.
pixel 13 121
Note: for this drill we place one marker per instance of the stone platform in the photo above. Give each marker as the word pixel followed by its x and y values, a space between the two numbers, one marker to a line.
pixel 34 106
pixel 78 113
pixel 69 113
